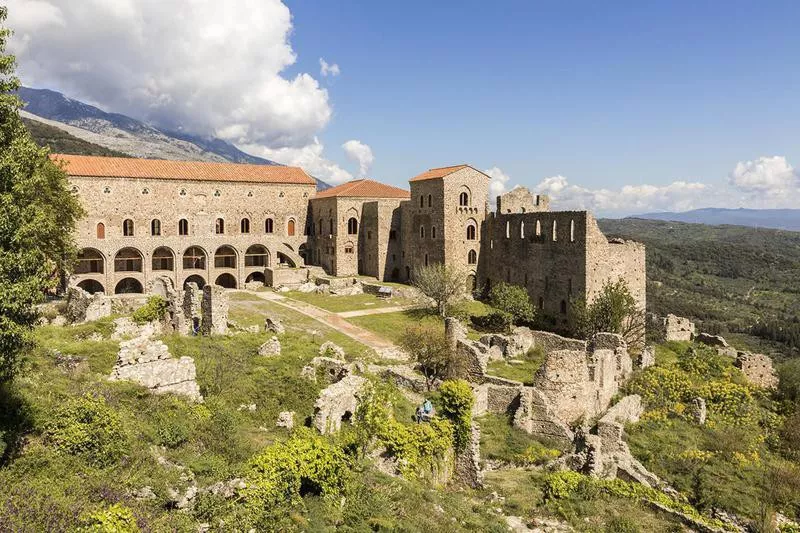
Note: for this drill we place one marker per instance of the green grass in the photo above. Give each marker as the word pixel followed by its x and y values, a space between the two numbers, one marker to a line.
pixel 339 304
pixel 502 442
pixel 524 372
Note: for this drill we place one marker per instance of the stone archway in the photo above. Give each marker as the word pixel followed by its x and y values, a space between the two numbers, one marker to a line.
pixel 194 278
pixel 129 286
pixel 226 280
pixel 256 276
pixel 92 286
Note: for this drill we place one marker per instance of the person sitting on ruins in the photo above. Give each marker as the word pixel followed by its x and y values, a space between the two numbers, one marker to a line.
pixel 425 411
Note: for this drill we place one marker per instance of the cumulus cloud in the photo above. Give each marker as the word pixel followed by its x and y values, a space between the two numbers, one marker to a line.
pixel 499 183
pixel 773 176
pixel 360 153
pixel 309 157
pixel 676 196
pixel 204 66
pixel 327 69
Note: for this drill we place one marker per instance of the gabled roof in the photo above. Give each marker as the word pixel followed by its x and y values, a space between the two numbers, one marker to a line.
pixel 441 172
pixel 123 167
pixel 364 189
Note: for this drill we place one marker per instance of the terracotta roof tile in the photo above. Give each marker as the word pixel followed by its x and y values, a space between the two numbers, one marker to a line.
pixel 364 189
pixel 436 173
pixel 122 167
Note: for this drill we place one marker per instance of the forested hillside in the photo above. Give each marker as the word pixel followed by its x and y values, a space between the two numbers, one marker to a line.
pixel 731 278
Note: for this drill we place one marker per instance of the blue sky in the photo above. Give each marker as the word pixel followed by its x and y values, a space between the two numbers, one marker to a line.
pixel 605 93
pixel 620 107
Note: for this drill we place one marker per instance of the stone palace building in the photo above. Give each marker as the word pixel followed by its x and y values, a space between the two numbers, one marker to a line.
pixel 230 224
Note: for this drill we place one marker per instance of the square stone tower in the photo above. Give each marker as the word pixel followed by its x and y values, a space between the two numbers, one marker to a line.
pixel 443 221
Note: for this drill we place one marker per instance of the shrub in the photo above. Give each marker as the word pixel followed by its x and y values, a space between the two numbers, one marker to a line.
pixel 441 283
pixel 457 401
pixel 614 310
pixel 789 385
pixel 428 346
pixel 87 427
pixel 494 322
pixel 114 519
pixel 307 463
pixel 154 309
pixel 513 300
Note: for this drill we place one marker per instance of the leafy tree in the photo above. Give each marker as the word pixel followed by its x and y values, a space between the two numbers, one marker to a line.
pixel 614 310
pixel 457 401
pixel 441 283
pixel 37 217
pixel 512 299
pixel 428 346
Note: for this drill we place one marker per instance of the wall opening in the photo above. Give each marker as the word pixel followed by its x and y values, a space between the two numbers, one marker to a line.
pixel 128 260
pixel 226 280
pixel 163 259
pixel 244 226
pixel 128 286
pixel 183 227
pixel 194 258
pixel 225 257
pixel 155 227
pixel 127 228
pixel 256 256
pixel 194 278
pixel 90 261
pixel 92 286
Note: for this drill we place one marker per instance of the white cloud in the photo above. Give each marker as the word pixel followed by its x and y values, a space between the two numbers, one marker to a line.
pixel 309 157
pixel 772 176
pixel 499 183
pixel 676 196
pixel 326 69
pixel 205 66
pixel 360 153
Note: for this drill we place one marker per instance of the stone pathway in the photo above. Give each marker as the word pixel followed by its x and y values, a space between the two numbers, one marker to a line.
pixel 336 321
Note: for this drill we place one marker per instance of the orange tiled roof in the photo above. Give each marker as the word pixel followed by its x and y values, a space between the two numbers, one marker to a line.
pixel 364 189
pixel 440 172
pixel 122 167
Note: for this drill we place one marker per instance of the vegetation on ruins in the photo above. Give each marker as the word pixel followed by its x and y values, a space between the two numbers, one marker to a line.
pixel 444 284
pixel 153 310
pixel 428 346
pixel 457 400
pixel 37 215
pixel 613 310
pixel 514 300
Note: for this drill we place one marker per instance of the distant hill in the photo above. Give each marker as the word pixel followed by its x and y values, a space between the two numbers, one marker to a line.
pixel 122 134
pixel 788 219
pixel 732 278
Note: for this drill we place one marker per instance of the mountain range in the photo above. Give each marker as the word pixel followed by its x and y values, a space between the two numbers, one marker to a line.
pixel 785 219
pixel 123 134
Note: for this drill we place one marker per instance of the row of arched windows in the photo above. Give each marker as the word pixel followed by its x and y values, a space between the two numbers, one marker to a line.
pixel 463 200
pixel 91 261
pixel 352 226
pixel 128 229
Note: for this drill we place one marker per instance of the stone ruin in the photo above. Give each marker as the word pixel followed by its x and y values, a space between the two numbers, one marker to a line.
pixel 337 403
pixel 147 361
pixel 270 348
pixel 215 311
pixel 577 380
pixel 673 328
pixel 757 369
pixel 85 307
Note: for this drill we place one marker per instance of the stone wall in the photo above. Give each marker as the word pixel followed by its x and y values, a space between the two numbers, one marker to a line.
pixel 278 276
pixel 110 201
pixel 675 328
pixel 521 200
pixel 337 403
pixel 85 307
pixel 215 311
pixel 757 368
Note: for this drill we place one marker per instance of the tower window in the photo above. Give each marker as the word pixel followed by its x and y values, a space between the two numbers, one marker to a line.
pixel 127 228
pixel 245 225
pixel 183 227
pixel 269 226
pixel 155 227
pixel 472 257
pixel 463 199
pixel 219 227
pixel 422 232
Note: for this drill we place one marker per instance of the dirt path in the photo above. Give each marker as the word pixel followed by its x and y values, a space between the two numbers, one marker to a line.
pixel 378 311
pixel 337 321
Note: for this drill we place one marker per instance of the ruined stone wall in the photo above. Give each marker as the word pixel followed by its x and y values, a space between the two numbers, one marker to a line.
pixel 611 260
pixel 520 248
pixel 110 201
pixel 521 200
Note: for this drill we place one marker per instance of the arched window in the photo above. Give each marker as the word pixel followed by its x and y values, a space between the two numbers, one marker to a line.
pixel 348 248
pixel 183 227
pixel 290 228
pixel 471 231
pixel 430 200
pixel 128 260
pixel 508 229
pixel 352 226
pixel 522 229
pixel 330 226
pixel 219 226
pixel 572 231
pixel 256 256
pixel 163 259
pixel 433 232
pixel 463 199
pixel 269 226
pixel 538 229
pixel 194 258
pixel 245 225
pixel 555 231
pixel 101 230
pixel 320 227
pixel 225 257
pixel 472 257
pixel 422 201
pixel 155 227
pixel 563 307
pixel 90 261
pixel 422 232
pixel 127 228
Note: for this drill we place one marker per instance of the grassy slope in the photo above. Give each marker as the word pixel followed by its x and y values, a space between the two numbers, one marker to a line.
pixel 356 302
pixel 61 142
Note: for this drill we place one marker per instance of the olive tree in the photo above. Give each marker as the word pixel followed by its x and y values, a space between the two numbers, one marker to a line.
pixel 444 284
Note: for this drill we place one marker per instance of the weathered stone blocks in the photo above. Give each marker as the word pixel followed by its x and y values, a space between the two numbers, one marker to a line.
pixel 337 403
pixel 215 311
